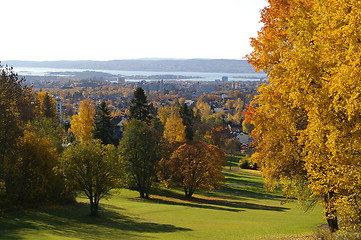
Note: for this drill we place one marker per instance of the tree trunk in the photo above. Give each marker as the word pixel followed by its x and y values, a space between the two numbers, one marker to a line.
pixel 331 213
pixel 188 192
pixel 93 209
pixel 332 223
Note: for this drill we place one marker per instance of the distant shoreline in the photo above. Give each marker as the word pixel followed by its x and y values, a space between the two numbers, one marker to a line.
pixel 153 65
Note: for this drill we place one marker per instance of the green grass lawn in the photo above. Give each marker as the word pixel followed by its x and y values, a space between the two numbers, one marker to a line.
pixel 242 209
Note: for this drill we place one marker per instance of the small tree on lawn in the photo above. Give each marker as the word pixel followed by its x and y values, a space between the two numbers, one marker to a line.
pixel 193 166
pixel 93 168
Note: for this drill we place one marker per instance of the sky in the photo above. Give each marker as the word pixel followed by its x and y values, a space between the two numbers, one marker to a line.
pixel 45 30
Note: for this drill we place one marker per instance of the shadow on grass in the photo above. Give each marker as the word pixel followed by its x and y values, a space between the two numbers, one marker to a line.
pixel 74 221
pixel 245 185
pixel 213 204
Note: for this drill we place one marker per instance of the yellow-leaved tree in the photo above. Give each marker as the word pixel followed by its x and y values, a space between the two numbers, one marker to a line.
pixel 174 129
pixel 308 116
pixel 82 124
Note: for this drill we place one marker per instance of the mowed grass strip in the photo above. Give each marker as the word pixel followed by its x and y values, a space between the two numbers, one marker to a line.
pixel 242 209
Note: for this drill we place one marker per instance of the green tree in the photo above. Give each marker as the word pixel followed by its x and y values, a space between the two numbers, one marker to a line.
pixel 93 168
pixel 140 148
pixel 188 118
pixel 231 146
pixel 104 129
pixel 48 128
pixel 46 106
pixel 140 108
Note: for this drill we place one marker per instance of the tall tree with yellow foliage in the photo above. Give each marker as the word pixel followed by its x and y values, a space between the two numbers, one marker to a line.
pixel 307 123
pixel 82 124
pixel 174 129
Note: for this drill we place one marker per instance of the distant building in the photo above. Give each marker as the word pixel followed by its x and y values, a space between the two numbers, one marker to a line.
pixel 120 79
pixel 59 108
pixel 224 79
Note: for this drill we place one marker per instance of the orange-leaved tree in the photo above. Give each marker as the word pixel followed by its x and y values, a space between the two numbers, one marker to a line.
pixel 193 165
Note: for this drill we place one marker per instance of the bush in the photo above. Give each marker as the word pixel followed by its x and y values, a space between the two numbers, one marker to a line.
pixel 245 163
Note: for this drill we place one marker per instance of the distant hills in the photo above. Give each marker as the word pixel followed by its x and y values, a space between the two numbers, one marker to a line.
pixel 156 65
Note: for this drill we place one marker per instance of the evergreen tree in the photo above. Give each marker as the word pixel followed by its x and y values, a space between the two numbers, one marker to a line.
pixel 187 116
pixel 104 129
pixel 140 108
pixel 47 106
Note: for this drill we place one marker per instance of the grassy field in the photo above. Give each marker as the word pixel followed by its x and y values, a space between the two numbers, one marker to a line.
pixel 242 209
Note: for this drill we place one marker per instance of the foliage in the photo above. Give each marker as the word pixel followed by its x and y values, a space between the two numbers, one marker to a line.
pixel 140 148
pixel 247 127
pixel 15 110
pixel 140 108
pixel 48 128
pixel 193 165
pixel 246 163
pixel 187 116
pixel 46 106
pixel 104 129
pixel 174 129
pixel 307 123
pixel 82 124
pixel 33 176
pixel 93 168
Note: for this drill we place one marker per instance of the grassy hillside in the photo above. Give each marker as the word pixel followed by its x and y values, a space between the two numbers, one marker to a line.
pixel 242 209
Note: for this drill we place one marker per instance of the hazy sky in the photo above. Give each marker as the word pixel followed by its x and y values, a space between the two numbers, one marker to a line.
pixel 126 29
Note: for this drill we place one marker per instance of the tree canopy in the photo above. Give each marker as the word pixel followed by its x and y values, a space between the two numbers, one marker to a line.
pixel 93 168
pixel 82 124
pixel 104 129
pixel 140 108
pixel 307 119
pixel 140 148
pixel 193 165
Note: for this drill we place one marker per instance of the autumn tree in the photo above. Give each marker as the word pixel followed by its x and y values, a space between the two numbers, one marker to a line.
pixel 33 177
pixel 104 129
pixel 46 106
pixel 93 168
pixel 48 128
pixel 193 165
pixel 140 107
pixel 82 124
pixel 174 129
pixel 140 148
pixel 16 110
pixel 307 127
pixel 231 146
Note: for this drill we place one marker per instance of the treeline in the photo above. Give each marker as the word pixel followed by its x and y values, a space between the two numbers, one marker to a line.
pixel 37 169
